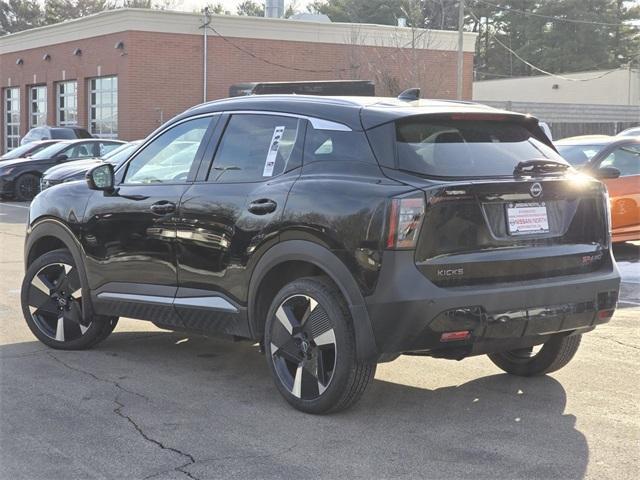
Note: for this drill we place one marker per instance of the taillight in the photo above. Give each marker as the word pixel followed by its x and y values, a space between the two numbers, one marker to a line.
pixel 608 213
pixel 405 220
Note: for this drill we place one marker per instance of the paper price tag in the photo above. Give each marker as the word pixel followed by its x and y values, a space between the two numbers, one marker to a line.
pixel 270 162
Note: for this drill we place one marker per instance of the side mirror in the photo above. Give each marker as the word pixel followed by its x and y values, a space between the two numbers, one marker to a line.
pixel 61 158
pixel 604 173
pixel 101 178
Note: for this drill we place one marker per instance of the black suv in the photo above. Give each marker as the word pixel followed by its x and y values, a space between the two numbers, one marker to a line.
pixel 336 232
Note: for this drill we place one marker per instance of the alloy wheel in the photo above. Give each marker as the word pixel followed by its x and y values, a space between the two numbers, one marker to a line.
pixel 303 347
pixel 55 302
pixel 29 187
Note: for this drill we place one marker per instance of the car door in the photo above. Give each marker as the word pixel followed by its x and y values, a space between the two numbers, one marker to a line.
pixel 624 191
pixel 130 234
pixel 233 214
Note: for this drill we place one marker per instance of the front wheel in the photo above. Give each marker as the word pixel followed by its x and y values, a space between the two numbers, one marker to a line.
pixel 26 187
pixel 53 306
pixel 526 362
pixel 310 348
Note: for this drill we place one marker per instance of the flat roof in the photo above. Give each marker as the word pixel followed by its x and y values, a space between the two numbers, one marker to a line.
pixel 150 20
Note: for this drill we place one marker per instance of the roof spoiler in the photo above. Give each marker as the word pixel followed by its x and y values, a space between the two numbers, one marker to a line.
pixel 410 95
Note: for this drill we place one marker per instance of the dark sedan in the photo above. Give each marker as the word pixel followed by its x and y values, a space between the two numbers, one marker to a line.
pixel 76 170
pixel 20 178
pixel 27 150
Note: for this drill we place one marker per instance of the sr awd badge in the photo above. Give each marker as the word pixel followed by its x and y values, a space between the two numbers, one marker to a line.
pixel 535 190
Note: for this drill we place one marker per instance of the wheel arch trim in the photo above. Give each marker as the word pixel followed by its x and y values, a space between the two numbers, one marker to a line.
pixel 49 227
pixel 332 266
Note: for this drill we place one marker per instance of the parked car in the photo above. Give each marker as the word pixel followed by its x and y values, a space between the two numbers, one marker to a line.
pixel 623 154
pixel 630 132
pixel 20 178
pixel 24 151
pixel 59 133
pixel 337 232
pixel 76 170
pixel 585 138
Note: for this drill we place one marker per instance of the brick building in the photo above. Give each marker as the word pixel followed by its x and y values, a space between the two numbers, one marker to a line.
pixel 121 73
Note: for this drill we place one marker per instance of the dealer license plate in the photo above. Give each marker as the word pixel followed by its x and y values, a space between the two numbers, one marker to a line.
pixel 527 218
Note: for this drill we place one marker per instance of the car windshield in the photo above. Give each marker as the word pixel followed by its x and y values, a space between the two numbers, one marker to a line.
pixel 29 149
pixel 578 155
pixel 50 151
pixel 120 154
pixel 466 148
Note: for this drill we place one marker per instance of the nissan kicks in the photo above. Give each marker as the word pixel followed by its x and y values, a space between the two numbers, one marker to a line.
pixel 338 233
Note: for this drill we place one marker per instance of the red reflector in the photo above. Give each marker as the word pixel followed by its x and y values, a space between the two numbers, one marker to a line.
pixel 453 336
pixel 605 313
pixel 393 219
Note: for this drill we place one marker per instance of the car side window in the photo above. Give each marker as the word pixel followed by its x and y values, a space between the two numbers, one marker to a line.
pixel 255 148
pixel 170 156
pixel 336 145
pixel 80 150
pixel 626 159
pixel 105 148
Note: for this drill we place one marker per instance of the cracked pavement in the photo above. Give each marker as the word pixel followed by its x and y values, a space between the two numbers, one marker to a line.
pixel 150 404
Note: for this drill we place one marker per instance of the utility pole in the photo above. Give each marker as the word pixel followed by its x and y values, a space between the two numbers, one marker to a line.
pixel 460 50
pixel 205 27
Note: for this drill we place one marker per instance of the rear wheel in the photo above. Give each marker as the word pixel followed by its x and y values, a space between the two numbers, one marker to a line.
pixel 52 305
pixel 26 187
pixel 554 354
pixel 310 348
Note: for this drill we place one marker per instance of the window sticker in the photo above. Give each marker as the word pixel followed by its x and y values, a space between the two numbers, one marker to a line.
pixel 270 163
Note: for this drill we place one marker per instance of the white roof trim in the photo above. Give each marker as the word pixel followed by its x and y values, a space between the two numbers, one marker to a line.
pixel 130 19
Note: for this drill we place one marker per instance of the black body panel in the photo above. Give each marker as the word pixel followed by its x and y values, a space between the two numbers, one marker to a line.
pixel 196 254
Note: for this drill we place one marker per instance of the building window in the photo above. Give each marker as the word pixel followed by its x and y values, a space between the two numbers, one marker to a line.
pixel 37 106
pixel 12 118
pixel 103 107
pixel 67 103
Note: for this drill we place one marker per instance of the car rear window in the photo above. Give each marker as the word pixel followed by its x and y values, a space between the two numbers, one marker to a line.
pixel 579 155
pixel 466 148
pixel 81 133
pixel 63 133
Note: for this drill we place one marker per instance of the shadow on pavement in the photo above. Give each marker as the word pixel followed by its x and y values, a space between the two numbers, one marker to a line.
pixel 214 401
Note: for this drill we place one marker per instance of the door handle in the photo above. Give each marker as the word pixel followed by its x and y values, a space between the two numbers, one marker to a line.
pixel 163 207
pixel 262 206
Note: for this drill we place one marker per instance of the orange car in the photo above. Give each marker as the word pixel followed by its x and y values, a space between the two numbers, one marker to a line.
pixel 622 153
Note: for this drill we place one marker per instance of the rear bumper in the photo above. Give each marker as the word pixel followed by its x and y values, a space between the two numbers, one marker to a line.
pixel 408 313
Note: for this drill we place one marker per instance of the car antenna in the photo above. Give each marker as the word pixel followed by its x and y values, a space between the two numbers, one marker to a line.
pixel 410 95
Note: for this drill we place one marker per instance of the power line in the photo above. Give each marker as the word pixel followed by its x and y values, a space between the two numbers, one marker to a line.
pixel 549 17
pixel 545 72
pixel 561 77
pixel 276 64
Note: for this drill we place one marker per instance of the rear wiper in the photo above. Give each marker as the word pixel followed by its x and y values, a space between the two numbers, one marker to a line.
pixel 530 167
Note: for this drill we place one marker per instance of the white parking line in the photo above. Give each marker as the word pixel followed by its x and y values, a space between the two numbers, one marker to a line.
pixel 12 205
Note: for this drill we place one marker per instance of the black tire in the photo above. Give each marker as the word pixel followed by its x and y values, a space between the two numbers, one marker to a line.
pixel 554 354
pixel 51 298
pixel 311 349
pixel 26 187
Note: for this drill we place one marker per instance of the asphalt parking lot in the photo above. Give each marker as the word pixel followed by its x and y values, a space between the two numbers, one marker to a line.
pixel 148 403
